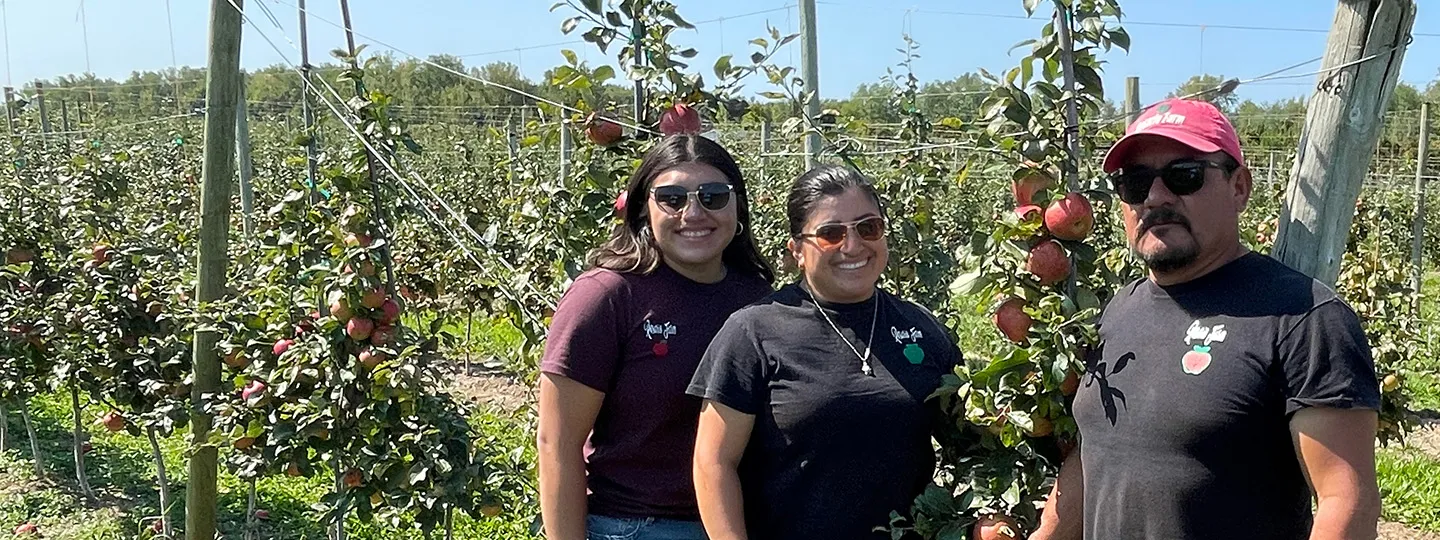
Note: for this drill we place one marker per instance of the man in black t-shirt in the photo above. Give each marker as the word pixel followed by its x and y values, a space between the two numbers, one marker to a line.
pixel 1228 389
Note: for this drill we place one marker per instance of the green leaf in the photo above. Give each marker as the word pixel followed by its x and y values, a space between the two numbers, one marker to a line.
pixel 722 66
pixel 569 56
pixel 688 53
pixel 1120 38
pixel 569 25
pixel 1030 6
pixel 760 42
pixel 602 74
pixel 970 283
pixel 593 5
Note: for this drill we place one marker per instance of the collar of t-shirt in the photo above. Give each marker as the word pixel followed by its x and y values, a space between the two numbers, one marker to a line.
pixel 1232 270
pixel 865 305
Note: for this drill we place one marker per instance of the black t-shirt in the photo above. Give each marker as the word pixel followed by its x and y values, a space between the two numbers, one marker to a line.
pixel 1184 412
pixel 833 451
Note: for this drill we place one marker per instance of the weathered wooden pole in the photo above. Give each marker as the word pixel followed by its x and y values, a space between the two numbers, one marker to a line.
pixel 810 73
pixel 566 143
pixel 222 89
pixel 243 162
pixel 10 110
pixel 44 114
pixel 1132 99
pixel 1342 125
pixel 64 116
pixel 1417 243
pixel 765 128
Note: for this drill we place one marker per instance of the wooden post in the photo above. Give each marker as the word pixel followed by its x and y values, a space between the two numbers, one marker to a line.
pixel 1272 170
pixel 765 128
pixel 10 110
pixel 810 73
pixel 513 145
pixel 1132 100
pixel 64 116
pixel 1417 243
pixel 44 115
pixel 566 143
pixel 1071 168
pixel 243 163
pixel 222 76
pixel 1342 126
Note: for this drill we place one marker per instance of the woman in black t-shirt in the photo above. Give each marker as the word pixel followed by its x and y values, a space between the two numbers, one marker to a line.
pixel 815 422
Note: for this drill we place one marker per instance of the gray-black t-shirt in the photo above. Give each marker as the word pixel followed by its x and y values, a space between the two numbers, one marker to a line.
pixel 833 451
pixel 1184 411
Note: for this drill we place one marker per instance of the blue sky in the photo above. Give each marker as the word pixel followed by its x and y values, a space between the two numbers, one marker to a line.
pixel 858 38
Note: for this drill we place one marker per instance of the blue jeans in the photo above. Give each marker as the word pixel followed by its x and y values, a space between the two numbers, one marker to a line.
pixel 609 528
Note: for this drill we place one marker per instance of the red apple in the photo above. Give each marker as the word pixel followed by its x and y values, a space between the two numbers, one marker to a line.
pixel 602 131
pixel 158 527
pixel 371 358
pixel 100 253
pixel 262 514
pixel 389 312
pixel 244 443
pixel 996 527
pixel 620 203
pixel 358 240
pixel 1012 320
pixel 86 447
pixel 1070 218
pixel 1048 262
pixel 282 346
pixel 373 298
pixel 236 359
pixel 359 329
pixel 680 118
pixel 113 421
pixel 1024 211
pixel 27 529
pixel 155 309
pixel 353 478
pixel 340 307
pixel 1071 384
pixel 382 335
pixel 293 470
pixel 255 389
pixel 1027 186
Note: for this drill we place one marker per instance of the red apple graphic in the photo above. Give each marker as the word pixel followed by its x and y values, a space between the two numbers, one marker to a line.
pixel 1196 360
pixel 660 349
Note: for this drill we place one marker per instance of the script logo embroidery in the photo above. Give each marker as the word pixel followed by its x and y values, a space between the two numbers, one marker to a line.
pixel 664 330
pixel 1198 358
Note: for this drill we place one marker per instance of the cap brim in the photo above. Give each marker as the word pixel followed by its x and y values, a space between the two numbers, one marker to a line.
pixel 1122 149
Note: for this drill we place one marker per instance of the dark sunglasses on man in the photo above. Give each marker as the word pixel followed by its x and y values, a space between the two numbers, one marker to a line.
pixel 831 235
pixel 1182 177
pixel 711 196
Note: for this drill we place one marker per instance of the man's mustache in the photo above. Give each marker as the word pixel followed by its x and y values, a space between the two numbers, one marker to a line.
pixel 1163 216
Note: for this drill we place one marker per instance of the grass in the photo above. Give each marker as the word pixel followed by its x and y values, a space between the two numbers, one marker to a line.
pixel 1409 487
pixel 121 471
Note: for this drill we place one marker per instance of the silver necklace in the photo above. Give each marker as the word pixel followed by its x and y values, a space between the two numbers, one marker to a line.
pixel 864 358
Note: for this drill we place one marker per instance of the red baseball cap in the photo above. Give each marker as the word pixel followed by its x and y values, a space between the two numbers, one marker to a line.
pixel 1193 123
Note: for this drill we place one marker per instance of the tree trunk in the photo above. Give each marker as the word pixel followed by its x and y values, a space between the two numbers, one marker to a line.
pixel 164 481
pixel 79 443
pixel 34 441
pixel 4 430
pixel 250 512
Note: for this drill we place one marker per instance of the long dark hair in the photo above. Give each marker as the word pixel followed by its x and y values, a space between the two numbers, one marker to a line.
pixel 818 183
pixel 631 247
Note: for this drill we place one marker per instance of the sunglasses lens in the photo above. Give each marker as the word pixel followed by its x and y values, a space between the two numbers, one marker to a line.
pixel 1184 178
pixel 871 229
pixel 714 196
pixel 671 197
pixel 1133 186
pixel 830 235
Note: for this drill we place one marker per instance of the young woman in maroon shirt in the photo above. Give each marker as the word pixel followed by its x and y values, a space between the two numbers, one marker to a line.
pixel 617 431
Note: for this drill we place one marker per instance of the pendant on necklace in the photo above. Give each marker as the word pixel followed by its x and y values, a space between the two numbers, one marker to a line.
pixel 865 367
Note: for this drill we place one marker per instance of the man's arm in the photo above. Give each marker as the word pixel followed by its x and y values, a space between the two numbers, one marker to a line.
pixel 1337 452
pixel 1064 514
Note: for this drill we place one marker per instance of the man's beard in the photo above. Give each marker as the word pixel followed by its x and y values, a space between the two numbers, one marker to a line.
pixel 1169 258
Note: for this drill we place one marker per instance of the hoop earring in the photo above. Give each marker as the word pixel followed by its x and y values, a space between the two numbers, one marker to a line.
pixel 739 228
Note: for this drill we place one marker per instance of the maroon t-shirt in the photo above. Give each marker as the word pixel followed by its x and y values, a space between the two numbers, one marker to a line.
pixel 638 338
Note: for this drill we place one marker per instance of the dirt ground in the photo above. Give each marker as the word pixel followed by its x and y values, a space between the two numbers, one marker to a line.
pixel 493 390
pixel 502 392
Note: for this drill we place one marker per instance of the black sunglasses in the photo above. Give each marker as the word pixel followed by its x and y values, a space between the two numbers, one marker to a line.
pixel 1181 177
pixel 830 235
pixel 711 196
